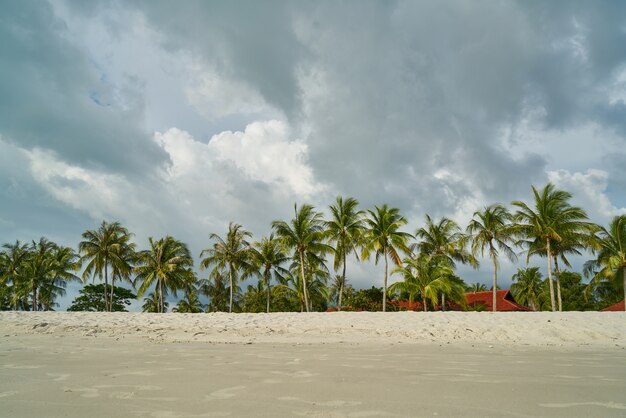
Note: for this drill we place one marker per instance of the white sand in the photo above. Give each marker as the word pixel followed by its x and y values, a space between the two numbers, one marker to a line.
pixel 536 329
pixel 335 365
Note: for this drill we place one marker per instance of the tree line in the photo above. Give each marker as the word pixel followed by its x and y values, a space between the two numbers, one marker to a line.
pixel 291 265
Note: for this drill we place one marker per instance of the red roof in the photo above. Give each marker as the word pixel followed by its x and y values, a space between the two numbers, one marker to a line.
pixel 619 306
pixel 504 301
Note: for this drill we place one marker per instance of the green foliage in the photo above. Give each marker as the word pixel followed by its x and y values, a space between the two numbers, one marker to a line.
pixel 232 254
pixel 367 300
pixel 167 265
pixel 608 269
pixel 92 299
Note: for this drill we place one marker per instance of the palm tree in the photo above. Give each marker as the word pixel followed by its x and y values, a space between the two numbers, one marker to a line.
pixel 344 232
pixel 216 290
pixel 153 304
pixel 444 241
pixel 476 287
pixel 13 260
pixel 610 251
pixel 167 263
pixel 190 303
pixel 382 236
pixel 427 276
pixel 305 235
pixel 103 248
pixel 44 275
pixel 491 230
pixel 526 287
pixel 553 220
pixel 268 256
pixel 232 253
pixel 123 262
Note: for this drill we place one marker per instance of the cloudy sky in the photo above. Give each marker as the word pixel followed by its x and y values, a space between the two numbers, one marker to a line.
pixel 178 117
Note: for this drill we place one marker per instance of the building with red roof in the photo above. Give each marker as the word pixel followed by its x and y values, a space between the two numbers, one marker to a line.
pixel 475 301
pixel 618 307
pixel 504 301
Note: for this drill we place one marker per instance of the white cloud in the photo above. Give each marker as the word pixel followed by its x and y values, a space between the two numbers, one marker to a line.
pixel 589 190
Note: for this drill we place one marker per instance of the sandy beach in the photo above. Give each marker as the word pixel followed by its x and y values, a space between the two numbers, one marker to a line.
pixel 319 365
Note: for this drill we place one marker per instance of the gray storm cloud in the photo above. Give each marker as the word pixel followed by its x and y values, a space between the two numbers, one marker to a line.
pixel 434 107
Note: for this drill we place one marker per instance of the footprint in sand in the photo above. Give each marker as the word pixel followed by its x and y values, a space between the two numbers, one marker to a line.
pixel 7 394
pixel 21 366
pixel 85 392
pixel 608 405
pixel 225 393
pixel 58 377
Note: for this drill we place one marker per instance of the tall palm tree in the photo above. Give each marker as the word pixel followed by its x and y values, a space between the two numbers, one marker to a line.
pixel 526 287
pixel 491 229
pixel 305 235
pixel 45 273
pixel 101 249
pixel 167 264
pixel 610 251
pixel 13 260
pixel 344 230
pixel 123 262
pixel 429 277
pixel 269 255
pixel 551 221
pixel 444 241
pixel 232 253
pixel 383 237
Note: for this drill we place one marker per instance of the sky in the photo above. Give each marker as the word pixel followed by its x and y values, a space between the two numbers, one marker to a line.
pixel 179 117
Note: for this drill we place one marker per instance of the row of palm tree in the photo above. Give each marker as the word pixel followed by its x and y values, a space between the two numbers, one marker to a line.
pixel 294 256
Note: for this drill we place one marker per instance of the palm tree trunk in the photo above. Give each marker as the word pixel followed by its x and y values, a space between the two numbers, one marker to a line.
pixel 161 302
pixel 112 291
pixel 443 302
pixel 557 275
pixel 106 283
pixel 343 282
pixel 230 280
pixel 549 255
pixel 34 298
pixel 424 303
pixel 495 283
pixel 385 284
pixel 267 282
pixel 624 280
pixel 306 296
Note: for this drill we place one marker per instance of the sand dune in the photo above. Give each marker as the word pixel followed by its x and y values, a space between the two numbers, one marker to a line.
pixel 540 329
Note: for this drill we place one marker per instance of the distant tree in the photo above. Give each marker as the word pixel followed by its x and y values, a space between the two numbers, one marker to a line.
pixel 490 229
pixel 552 220
pixel 344 230
pixel 476 287
pixel 444 241
pixel 104 248
pixel 268 256
pixel 167 265
pixel 526 287
pixel 305 236
pixel 609 266
pixel 216 288
pixel 383 238
pixel 152 304
pixel 92 299
pixel 231 253
pixel 367 299
pixel 190 303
